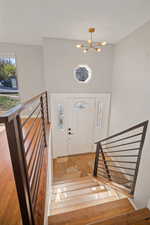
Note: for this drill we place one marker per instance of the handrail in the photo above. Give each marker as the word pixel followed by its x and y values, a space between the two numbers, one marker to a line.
pixel 27 140
pixel 124 156
pixel 124 131
pixel 10 114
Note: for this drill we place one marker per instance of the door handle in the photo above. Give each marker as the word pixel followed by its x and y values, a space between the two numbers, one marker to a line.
pixel 69 133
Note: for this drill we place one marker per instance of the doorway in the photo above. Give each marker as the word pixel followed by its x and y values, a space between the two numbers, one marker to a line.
pixel 78 121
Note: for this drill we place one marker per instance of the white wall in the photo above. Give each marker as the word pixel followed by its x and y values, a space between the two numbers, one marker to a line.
pixel 131 97
pixel 61 57
pixel 29 67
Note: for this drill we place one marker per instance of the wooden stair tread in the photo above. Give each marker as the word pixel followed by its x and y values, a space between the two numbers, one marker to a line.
pixel 139 217
pixel 91 214
pixel 55 187
pixel 98 197
pixel 76 193
pixel 77 186
pixel 114 186
pixel 72 180
pixel 82 205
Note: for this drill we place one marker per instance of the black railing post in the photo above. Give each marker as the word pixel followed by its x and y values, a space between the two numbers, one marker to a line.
pixel 47 106
pixel 96 161
pixel 105 162
pixel 145 124
pixel 43 120
pixel 15 143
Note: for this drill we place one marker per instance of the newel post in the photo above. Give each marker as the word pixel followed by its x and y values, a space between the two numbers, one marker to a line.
pixel 105 162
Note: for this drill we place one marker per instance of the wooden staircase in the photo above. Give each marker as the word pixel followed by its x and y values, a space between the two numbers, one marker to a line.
pixel 103 199
pixel 86 201
pixel 80 193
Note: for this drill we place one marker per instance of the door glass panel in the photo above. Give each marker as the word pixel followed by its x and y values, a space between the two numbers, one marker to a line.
pixel 99 114
pixel 60 116
pixel 80 105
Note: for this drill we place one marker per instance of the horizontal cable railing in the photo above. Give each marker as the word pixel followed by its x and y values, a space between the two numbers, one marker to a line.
pixel 118 156
pixel 27 130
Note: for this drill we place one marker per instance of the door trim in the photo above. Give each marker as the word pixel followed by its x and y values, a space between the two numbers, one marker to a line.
pixel 78 95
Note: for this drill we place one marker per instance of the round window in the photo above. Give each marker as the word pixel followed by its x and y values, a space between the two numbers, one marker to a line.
pixel 82 73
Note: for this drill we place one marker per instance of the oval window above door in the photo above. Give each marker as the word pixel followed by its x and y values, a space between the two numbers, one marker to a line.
pixel 82 73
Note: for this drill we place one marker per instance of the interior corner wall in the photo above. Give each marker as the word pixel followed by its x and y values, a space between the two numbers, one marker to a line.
pixel 29 68
pixel 61 57
pixel 131 97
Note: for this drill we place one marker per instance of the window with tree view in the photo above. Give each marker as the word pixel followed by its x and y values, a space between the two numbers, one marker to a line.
pixel 9 96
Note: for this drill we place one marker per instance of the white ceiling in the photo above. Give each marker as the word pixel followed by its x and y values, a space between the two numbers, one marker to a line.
pixel 27 21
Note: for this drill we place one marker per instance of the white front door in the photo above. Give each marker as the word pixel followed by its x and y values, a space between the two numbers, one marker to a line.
pixel 78 120
pixel 80 125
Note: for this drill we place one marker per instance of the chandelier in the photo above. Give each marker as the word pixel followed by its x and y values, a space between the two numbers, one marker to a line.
pixel 90 44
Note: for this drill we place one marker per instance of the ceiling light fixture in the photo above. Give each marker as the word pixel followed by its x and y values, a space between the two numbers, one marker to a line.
pixel 90 44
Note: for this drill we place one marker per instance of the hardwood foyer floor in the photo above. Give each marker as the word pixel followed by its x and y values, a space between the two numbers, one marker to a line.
pixel 81 165
pixel 75 166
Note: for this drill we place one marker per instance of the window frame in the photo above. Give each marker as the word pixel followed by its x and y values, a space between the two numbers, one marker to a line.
pixel 89 74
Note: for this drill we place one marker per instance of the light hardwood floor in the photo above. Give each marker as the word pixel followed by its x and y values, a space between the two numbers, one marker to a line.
pixel 9 205
pixel 71 167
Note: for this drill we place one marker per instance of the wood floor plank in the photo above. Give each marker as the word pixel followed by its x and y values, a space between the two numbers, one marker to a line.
pixel 139 217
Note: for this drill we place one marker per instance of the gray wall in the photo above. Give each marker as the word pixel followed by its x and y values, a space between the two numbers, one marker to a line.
pixel 61 57
pixel 131 97
pixel 29 67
